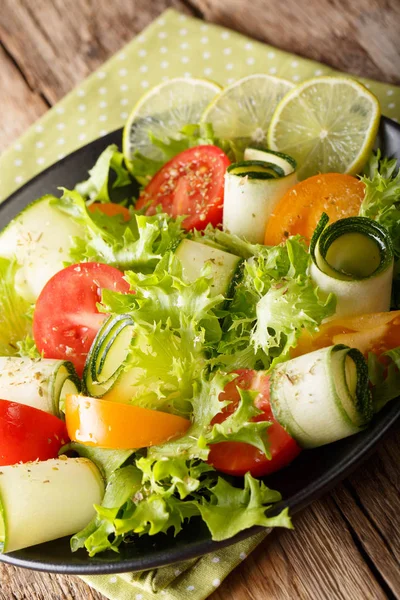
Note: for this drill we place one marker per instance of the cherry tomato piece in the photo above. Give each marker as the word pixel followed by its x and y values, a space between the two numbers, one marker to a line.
pixel 28 434
pixel 191 184
pixel 238 458
pixel 66 318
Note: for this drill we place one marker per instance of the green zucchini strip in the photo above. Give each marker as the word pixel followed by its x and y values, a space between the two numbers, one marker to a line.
pixel 286 162
pixel 42 383
pixel 323 396
pixel 224 267
pixel 105 360
pixel 252 190
pixel 353 259
pixel 46 500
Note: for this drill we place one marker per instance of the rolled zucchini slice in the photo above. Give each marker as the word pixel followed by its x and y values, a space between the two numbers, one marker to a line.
pixel 286 162
pixel 353 259
pixel 40 239
pixel 42 383
pixel 252 190
pixel 106 358
pixel 323 396
pixel 43 501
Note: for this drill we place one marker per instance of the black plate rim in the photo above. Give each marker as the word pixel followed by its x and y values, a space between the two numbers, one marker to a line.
pixel 297 502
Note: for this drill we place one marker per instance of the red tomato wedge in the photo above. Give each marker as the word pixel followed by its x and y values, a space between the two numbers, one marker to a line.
pixel 28 434
pixel 110 209
pixel 191 184
pixel 108 424
pixel 66 318
pixel 238 458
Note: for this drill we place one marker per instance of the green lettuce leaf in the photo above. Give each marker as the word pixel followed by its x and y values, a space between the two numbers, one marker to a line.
pixel 161 367
pixel 97 187
pixel 385 380
pixel 382 196
pixel 158 496
pixel 164 296
pixel 271 306
pixel 99 534
pixel 176 328
pixel 15 314
pixel 231 509
pixel 139 244
pixel 382 203
pixel 27 347
pixel 238 427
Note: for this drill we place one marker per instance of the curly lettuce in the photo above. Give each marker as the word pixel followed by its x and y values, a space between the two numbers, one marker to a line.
pixel 15 314
pixel 99 187
pixel 273 303
pixel 139 244
pixel 382 203
pixel 159 496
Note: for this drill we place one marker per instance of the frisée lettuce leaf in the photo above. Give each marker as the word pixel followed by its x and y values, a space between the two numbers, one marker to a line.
pixel 237 427
pixel 138 244
pixel 385 380
pixel 382 203
pixel 273 303
pixel 15 312
pixel 157 496
pixel 98 186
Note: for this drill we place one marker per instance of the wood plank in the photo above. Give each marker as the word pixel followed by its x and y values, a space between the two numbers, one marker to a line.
pixel 310 562
pixel 20 106
pixel 22 584
pixel 359 37
pixel 64 42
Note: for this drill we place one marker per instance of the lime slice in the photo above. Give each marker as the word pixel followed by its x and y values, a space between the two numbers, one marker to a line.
pixel 242 111
pixel 163 111
pixel 327 124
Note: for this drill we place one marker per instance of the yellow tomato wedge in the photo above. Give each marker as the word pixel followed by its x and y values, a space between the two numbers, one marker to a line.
pixel 105 424
pixel 375 332
pixel 301 207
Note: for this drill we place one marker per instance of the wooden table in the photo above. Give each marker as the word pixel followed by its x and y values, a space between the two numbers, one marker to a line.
pixel 347 545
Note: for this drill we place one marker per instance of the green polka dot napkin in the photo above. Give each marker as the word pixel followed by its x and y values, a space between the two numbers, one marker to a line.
pixel 173 45
pixel 194 579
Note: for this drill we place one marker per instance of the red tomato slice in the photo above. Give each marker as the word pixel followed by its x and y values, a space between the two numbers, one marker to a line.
pixel 192 184
pixel 28 434
pixel 110 209
pixel 66 319
pixel 238 458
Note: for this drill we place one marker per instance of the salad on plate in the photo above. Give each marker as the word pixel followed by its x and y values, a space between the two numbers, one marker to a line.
pixel 160 356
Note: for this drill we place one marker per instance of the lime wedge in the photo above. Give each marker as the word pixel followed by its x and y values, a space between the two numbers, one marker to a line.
pixel 327 124
pixel 163 111
pixel 242 111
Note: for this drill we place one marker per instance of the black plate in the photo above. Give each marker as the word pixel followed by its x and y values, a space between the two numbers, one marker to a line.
pixel 313 473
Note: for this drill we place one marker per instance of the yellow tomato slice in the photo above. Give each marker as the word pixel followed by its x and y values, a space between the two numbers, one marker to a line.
pixel 105 424
pixel 375 332
pixel 300 209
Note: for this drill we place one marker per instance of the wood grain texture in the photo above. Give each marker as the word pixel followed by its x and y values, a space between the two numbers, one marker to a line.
pixel 347 545
pixel 361 37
